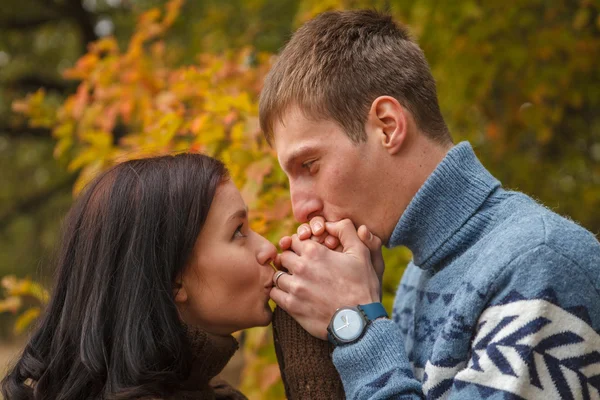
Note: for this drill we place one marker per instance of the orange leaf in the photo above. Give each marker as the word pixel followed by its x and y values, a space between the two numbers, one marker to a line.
pixel 492 131
pixel 259 169
pixel 81 100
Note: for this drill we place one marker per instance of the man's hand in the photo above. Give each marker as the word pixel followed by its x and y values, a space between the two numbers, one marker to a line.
pixel 321 280
pixel 315 230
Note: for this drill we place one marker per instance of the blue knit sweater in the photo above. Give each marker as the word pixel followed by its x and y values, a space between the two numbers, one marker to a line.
pixel 501 299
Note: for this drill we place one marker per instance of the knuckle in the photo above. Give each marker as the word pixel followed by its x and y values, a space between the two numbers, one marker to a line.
pixel 300 268
pixel 311 248
pixel 297 290
pixel 290 304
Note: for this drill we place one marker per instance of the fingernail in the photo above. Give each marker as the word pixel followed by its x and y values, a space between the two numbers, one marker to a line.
pixel 370 236
pixel 303 230
pixel 317 226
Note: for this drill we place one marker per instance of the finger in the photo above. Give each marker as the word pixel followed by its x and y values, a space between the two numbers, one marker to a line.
pixel 296 244
pixel 304 231
pixel 345 231
pixel 318 239
pixel 281 298
pixel 368 238
pixel 285 243
pixel 374 244
pixel 282 281
pixel 317 225
pixel 331 242
pixel 279 264
pixel 289 261
pixel 277 261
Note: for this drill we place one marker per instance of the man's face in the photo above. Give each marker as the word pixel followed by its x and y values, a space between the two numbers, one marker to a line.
pixel 329 175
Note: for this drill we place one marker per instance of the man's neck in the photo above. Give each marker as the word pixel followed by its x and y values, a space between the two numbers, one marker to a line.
pixel 411 168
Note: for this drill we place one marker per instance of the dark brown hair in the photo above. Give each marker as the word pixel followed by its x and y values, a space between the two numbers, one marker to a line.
pixel 111 329
pixel 338 63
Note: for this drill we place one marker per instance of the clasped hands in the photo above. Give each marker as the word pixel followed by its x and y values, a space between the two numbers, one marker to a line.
pixel 330 265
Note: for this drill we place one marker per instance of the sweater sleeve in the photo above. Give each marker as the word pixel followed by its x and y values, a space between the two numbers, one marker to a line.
pixel 304 361
pixel 376 366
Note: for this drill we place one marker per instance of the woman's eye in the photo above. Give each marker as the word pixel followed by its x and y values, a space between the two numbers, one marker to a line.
pixel 238 232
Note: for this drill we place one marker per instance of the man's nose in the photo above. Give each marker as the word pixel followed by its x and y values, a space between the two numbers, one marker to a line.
pixel 304 204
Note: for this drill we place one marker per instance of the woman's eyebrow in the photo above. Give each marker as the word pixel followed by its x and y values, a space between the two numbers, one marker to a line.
pixel 239 214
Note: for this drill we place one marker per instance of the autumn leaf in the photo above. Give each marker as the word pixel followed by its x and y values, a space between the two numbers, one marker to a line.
pixel 25 320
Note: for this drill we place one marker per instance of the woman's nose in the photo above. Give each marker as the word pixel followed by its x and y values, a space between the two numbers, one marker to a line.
pixel 267 252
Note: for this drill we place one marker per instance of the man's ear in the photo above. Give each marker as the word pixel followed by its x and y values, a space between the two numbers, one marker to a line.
pixel 179 292
pixel 389 120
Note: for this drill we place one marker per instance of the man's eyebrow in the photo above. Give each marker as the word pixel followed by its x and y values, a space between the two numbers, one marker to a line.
pixel 239 214
pixel 296 154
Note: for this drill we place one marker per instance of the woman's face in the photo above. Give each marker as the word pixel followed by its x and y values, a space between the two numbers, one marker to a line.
pixel 225 287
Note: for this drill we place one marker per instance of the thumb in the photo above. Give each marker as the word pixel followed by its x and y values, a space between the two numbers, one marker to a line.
pixel 345 231
pixel 374 244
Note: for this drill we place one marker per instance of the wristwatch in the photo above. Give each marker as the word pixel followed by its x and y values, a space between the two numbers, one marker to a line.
pixel 348 324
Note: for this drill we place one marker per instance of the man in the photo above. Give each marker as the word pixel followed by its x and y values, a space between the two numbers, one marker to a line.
pixel 502 297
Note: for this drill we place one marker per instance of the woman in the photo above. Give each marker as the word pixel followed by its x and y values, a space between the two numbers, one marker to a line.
pixel 158 267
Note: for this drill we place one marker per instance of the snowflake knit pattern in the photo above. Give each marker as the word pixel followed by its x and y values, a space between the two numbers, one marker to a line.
pixel 500 301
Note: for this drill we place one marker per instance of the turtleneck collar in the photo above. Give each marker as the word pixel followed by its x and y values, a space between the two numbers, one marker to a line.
pixel 211 355
pixel 431 224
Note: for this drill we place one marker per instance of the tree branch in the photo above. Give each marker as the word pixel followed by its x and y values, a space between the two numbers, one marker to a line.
pixel 29 23
pixel 25 131
pixel 34 82
pixel 84 20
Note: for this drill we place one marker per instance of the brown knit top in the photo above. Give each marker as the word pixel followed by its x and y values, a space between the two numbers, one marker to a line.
pixel 304 361
pixel 212 353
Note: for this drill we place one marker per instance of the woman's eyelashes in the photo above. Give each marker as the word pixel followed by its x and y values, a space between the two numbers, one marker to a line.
pixel 238 232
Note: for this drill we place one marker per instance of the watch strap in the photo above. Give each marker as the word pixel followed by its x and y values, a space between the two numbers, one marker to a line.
pixel 373 311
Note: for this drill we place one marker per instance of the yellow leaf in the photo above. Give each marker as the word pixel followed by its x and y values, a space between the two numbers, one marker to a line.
pixel 26 319
pixel 25 287
pixel 238 132
pixel 98 139
pixel 88 173
pixel 64 130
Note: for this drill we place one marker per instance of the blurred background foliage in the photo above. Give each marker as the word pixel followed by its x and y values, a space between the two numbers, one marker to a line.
pixel 87 83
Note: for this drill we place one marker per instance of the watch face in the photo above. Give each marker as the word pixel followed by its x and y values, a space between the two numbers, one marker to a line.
pixel 347 325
